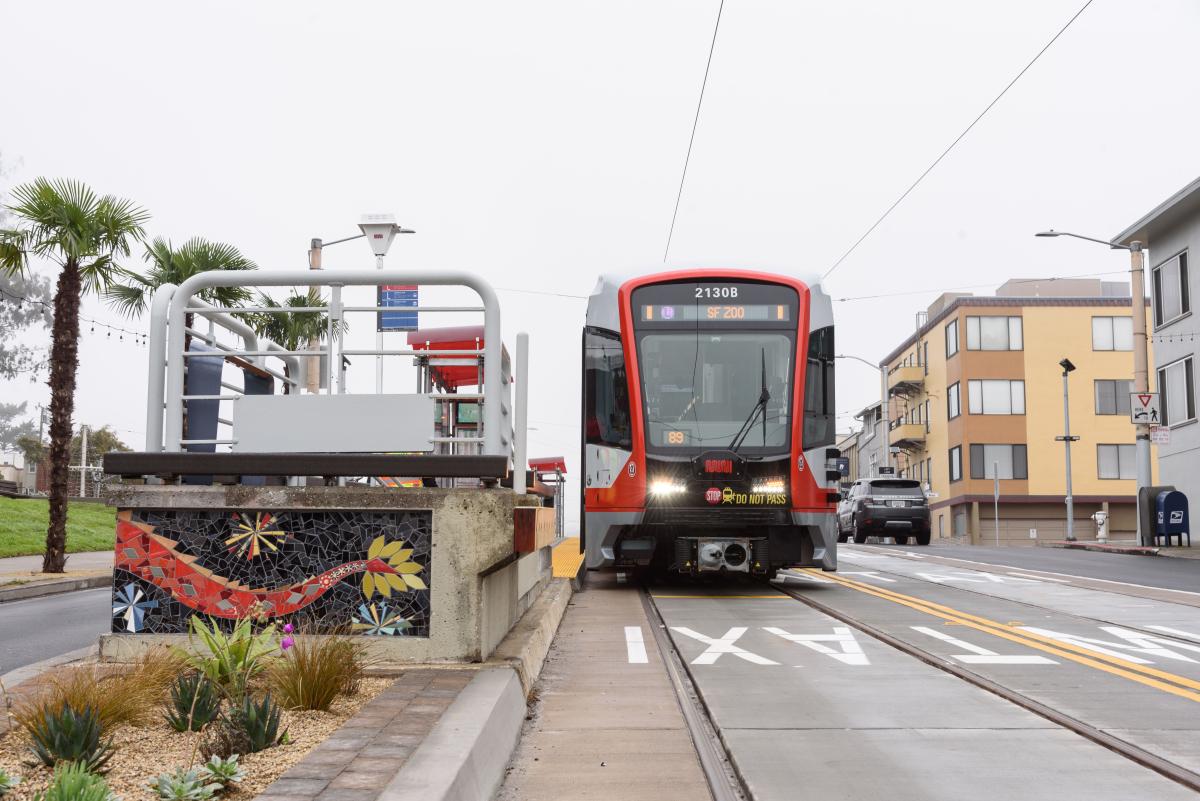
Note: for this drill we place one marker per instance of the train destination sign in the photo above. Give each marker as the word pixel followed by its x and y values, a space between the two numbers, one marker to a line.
pixel 716 312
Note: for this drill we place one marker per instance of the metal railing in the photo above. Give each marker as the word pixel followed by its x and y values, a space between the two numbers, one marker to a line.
pixel 503 430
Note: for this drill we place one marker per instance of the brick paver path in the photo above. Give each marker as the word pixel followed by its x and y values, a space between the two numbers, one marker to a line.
pixel 359 759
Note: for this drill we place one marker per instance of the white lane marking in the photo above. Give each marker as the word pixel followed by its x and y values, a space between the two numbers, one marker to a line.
pixel 973 578
pixel 635 646
pixel 1176 632
pixel 1134 641
pixel 871 574
pixel 851 652
pixel 1037 578
pixel 858 553
pixel 982 656
pixel 724 645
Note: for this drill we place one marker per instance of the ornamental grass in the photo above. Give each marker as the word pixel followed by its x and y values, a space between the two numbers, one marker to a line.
pixel 315 670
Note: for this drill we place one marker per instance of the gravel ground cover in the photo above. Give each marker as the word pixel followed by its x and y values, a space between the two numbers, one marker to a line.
pixel 143 752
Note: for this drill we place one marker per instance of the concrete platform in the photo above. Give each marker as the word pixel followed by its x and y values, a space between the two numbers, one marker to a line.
pixel 604 727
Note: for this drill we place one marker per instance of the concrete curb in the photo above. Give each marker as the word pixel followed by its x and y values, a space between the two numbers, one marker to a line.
pixel 1132 550
pixel 53 587
pixel 524 649
pixel 464 756
pixel 22 674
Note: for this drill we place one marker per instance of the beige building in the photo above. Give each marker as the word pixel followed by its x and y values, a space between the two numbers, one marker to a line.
pixel 976 392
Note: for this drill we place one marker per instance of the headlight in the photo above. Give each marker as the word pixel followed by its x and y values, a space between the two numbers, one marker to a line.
pixel 664 487
pixel 772 486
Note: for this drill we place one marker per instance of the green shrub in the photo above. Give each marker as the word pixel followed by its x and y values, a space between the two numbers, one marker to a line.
pixel 195 702
pixel 233 659
pixel 223 771
pixel 183 785
pixel 74 782
pixel 70 736
pixel 7 782
pixel 315 670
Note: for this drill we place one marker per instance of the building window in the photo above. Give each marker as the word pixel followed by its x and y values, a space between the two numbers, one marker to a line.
pixel 953 403
pixel 1007 461
pixel 1177 384
pixel 951 338
pixel 994 333
pixel 929 469
pixel 1116 461
pixel 956 463
pixel 1112 397
pixel 996 397
pixel 1171 295
pixel 1112 333
pixel 925 347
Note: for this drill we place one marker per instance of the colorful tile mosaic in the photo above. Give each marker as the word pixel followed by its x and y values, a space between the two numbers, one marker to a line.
pixel 360 571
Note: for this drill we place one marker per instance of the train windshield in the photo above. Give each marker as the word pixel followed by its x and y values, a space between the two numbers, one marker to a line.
pixel 704 389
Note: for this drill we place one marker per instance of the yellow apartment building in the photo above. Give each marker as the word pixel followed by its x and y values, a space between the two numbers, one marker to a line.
pixel 976 391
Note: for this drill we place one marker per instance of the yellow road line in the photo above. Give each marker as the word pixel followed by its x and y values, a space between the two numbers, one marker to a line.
pixel 756 597
pixel 1109 664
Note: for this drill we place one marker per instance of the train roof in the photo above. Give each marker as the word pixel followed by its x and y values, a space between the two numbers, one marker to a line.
pixel 602 308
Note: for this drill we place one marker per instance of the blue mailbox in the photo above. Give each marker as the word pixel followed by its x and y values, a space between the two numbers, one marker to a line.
pixel 1172 516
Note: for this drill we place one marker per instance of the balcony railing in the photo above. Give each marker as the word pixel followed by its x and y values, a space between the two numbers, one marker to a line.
pixel 904 380
pixel 907 435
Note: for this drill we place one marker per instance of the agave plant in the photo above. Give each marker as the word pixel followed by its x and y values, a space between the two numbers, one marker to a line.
pixel 74 782
pixel 7 782
pixel 195 702
pixel 183 785
pixel 70 736
pixel 223 771
pixel 256 723
pixel 232 659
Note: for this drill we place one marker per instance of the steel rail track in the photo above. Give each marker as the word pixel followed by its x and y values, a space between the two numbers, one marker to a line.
pixel 1142 757
pixel 723 780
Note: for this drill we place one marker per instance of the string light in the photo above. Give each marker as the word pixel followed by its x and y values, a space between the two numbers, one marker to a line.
pixel 139 337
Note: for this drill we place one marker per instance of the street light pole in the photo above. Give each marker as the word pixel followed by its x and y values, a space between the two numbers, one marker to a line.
pixel 883 445
pixel 1141 358
pixel 1066 439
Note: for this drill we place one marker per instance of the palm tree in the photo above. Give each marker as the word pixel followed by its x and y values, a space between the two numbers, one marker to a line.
pixel 131 291
pixel 292 330
pixel 65 221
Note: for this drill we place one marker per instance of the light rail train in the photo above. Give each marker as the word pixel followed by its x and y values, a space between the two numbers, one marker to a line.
pixel 708 424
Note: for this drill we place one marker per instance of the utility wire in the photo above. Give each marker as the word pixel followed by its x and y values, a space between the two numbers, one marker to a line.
pixel 957 139
pixel 979 286
pixel 695 122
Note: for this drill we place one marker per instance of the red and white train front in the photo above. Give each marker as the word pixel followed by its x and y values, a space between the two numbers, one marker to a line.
pixel 707 444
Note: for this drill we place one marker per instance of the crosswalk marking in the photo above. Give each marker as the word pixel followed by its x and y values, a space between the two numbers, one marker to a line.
pixel 635 646
pixel 724 645
pixel 982 656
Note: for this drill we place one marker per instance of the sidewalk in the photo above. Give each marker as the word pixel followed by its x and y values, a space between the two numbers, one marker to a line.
pixel 21 576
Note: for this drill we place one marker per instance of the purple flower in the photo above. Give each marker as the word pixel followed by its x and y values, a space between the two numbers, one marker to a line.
pixel 286 643
pixel 288 628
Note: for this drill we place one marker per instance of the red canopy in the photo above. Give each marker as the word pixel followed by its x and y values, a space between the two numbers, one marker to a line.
pixel 463 337
pixel 548 464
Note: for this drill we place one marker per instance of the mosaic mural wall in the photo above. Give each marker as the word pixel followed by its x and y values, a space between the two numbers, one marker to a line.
pixel 365 572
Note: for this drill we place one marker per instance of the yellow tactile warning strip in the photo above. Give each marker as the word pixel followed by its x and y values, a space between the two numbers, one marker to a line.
pixel 1142 674
pixel 567 558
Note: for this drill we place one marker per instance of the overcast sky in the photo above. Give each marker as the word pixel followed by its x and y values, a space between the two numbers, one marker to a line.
pixel 541 143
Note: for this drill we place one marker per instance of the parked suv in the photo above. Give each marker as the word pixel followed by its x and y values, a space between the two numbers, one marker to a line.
pixel 884 507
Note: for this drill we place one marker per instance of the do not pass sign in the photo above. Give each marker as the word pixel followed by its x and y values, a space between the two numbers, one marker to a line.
pixel 1144 408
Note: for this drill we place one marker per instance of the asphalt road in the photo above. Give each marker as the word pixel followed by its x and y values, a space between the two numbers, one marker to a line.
pixel 40 628
pixel 1151 571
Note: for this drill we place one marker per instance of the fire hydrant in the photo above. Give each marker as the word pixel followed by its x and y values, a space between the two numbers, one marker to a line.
pixel 1101 519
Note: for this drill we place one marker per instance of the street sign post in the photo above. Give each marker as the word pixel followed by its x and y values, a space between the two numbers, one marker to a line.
pixel 1144 408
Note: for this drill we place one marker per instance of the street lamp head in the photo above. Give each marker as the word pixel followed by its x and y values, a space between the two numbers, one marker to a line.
pixel 380 230
pixel 1066 365
pixel 1051 232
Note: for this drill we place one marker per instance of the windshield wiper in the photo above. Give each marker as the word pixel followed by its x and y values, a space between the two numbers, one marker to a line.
pixel 760 408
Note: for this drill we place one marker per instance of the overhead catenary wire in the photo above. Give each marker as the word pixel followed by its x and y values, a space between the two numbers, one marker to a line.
pixel 957 139
pixel 695 123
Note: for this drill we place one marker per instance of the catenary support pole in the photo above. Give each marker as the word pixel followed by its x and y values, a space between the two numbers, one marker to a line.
pixel 1141 373
pixel 1067 446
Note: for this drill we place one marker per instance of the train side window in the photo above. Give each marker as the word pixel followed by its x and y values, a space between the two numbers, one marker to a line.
pixel 606 390
pixel 819 415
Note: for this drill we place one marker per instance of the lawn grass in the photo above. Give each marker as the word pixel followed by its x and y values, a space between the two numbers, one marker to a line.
pixel 90 527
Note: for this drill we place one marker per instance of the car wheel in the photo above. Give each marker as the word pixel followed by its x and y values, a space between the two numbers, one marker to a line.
pixel 901 539
pixel 843 536
pixel 923 539
pixel 859 536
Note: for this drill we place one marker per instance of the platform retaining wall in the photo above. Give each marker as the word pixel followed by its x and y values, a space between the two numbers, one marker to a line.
pixel 426 574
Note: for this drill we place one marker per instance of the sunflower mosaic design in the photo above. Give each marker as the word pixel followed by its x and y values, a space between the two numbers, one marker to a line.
pixel 251 536
pixel 397 557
